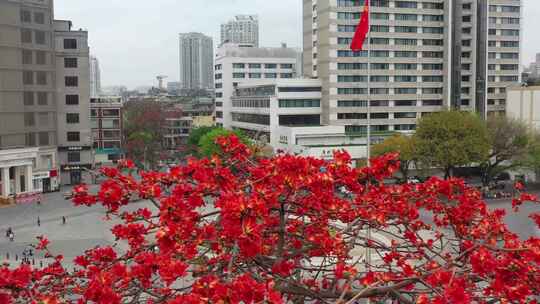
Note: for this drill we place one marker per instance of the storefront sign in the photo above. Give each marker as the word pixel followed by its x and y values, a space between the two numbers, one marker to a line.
pixel 74 148
pixel 75 167
pixel 41 175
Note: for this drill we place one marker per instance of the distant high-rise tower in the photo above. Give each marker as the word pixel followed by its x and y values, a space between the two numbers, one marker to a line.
pixel 95 77
pixel 196 61
pixel 243 29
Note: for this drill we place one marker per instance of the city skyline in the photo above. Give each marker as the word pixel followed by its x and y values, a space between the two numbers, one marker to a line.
pixel 160 28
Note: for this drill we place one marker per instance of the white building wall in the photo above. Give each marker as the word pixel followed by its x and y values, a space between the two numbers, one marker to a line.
pixel 523 103
pixel 230 54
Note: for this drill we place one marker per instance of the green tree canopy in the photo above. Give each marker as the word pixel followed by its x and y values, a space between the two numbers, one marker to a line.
pixel 195 137
pixel 207 143
pixel 404 145
pixel 451 139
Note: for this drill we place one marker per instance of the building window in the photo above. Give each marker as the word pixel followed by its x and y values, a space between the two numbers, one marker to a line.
pixel 43 138
pixel 254 65
pixel 43 118
pixel 73 136
pixel 406 4
pixel 40 37
pixel 405 115
pixel 254 75
pixel 29 119
pixel 41 78
pixel 72 118
pixel 72 100
pixel 239 66
pixel 26 36
pixel 70 44
pixel 42 98
pixel 286 66
pixel 70 62
pixel 28 77
pixel 28 98
pixel 27 57
pixel 111 112
pixel 270 75
pixel 270 66
pixel 239 75
pixel 286 75
pixel 30 139
pixel 74 157
pixel 71 81
pixel 26 16
pixel 41 57
pixel 39 18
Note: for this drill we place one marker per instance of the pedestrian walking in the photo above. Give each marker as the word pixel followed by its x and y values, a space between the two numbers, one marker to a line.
pixel 38 221
pixel 63 220
pixel 12 236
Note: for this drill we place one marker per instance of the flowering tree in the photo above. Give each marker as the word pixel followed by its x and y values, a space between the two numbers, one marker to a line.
pixel 236 229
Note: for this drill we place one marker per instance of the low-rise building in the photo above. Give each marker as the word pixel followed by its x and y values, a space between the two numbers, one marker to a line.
pixel 523 103
pixel 236 64
pixel 106 121
pixel 260 108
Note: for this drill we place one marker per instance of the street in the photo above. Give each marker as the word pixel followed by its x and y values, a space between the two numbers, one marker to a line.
pixel 85 226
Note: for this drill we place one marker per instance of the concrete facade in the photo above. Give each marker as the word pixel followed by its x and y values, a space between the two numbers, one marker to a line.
pixel 196 61
pixel 523 103
pixel 259 108
pixel 27 95
pixel 236 65
pixel 425 56
pixel 73 103
pixel 242 29
pixel 106 121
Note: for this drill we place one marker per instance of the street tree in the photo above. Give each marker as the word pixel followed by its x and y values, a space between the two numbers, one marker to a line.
pixel 144 130
pixel 195 137
pixel 402 144
pixel 451 139
pixel 240 229
pixel 509 141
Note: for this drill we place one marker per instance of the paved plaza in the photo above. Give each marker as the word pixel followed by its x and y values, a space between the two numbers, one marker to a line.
pixel 85 227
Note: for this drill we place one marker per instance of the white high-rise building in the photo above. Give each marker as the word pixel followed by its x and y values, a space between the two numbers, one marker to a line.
pixel 242 29
pixel 196 61
pixel 95 77
pixel 425 56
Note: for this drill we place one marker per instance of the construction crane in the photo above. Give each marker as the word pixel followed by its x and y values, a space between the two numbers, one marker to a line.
pixel 160 79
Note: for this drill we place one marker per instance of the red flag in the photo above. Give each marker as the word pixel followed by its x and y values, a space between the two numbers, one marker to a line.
pixel 362 29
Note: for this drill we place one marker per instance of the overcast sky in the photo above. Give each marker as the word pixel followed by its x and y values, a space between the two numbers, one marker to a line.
pixel 136 40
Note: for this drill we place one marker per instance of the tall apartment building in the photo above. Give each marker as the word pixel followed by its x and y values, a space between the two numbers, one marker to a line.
pixel 237 64
pixel 95 77
pixel 242 29
pixel 27 98
pixel 73 103
pixel 425 55
pixel 196 61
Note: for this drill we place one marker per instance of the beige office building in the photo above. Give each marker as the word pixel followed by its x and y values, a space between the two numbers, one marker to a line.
pixel 29 99
pixel 424 56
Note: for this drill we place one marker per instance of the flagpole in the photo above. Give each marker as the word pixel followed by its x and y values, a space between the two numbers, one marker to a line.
pixel 368 85
pixel 368 251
